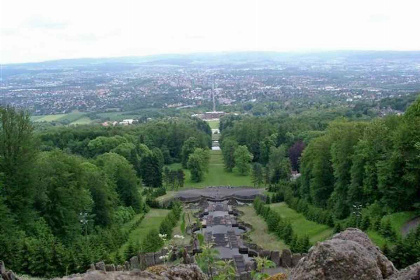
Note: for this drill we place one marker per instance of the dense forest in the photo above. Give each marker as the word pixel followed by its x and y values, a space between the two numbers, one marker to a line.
pixel 66 192
pixel 352 172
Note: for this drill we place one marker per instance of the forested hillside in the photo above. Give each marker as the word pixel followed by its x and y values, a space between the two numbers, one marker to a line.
pixel 353 173
pixel 69 195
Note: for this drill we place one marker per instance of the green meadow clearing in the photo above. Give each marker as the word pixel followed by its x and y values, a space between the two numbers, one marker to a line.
pixel 216 176
pixel 73 118
pixel 214 124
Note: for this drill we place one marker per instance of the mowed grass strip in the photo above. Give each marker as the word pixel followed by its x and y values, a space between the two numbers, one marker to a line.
pixel 217 175
pixel 301 226
pixel 152 220
pixel 214 124
pixel 259 233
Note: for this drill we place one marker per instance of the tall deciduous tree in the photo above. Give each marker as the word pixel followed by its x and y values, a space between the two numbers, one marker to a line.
pixel 124 177
pixel 242 160
pixel 279 164
pixel 62 192
pixel 295 152
pixel 198 164
pixel 17 157
pixel 187 149
pixel 228 151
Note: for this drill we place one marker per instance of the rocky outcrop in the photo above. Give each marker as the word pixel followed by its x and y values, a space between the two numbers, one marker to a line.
pixel 6 274
pixel 179 272
pixel 347 255
pixel 356 235
pixel 410 273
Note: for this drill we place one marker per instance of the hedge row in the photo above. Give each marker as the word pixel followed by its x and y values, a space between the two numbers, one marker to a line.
pixel 281 227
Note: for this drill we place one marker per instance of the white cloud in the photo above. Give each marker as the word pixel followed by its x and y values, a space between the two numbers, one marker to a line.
pixel 51 29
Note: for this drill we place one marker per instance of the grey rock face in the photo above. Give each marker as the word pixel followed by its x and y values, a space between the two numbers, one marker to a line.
pixel 2 268
pixel 265 253
pixel 150 259
pixel 356 235
pixel 180 272
pixel 286 258
pixel 347 255
pixel 134 263
pixel 337 259
pixel 185 272
pixel 295 259
pixel 410 273
pixel 110 267
pixel 275 257
pixel 100 266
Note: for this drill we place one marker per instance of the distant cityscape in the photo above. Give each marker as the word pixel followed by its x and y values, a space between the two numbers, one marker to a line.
pixel 105 86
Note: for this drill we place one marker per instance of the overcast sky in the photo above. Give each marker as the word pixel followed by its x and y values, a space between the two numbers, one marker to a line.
pixel 38 30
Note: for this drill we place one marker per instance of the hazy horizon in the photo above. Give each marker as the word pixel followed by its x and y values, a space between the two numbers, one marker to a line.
pixel 37 31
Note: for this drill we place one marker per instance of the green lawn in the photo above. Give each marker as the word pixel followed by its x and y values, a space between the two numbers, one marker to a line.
pixel 74 117
pixel 82 121
pixel 214 124
pixel 376 238
pixel 48 118
pixel 259 233
pixel 301 226
pixel 150 221
pixel 217 176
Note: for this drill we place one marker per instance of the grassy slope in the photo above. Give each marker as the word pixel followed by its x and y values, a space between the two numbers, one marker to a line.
pixel 214 124
pixel 152 220
pixel 81 121
pixel 397 221
pixel 259 233
pixel 74 117
pixel 216 176
pixel 302 226
pixel 48 118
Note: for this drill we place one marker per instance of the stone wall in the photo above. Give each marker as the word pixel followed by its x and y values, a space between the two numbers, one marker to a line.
pixel 143 261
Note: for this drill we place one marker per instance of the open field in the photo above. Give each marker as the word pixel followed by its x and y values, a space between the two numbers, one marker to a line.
pixel 48 118
pixel 259 233
pixel 301 226
pixel 214 124
pixel 74 117
pixel 82 121
pixel 150 221
pixel 217 176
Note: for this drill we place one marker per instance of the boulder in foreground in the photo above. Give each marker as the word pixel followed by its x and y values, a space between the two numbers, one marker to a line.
pixel 347 255
pixel 179 272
